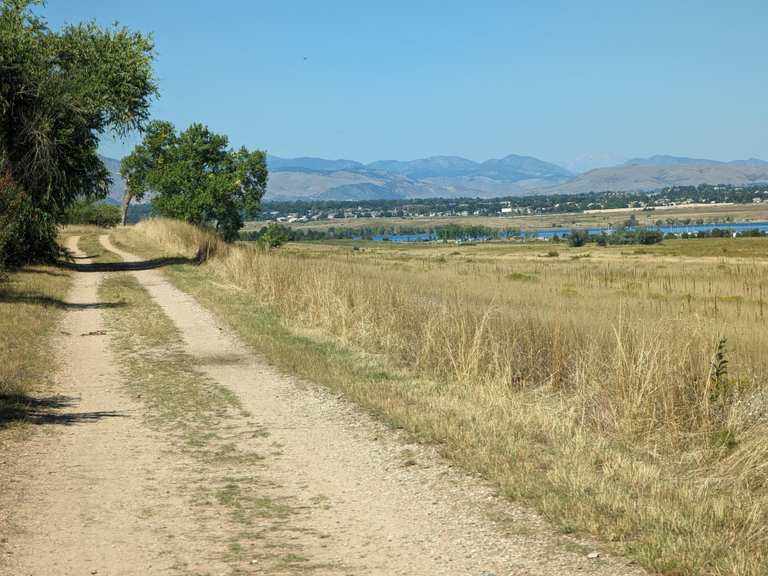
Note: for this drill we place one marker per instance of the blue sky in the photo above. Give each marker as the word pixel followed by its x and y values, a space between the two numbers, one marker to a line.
pixel 560 80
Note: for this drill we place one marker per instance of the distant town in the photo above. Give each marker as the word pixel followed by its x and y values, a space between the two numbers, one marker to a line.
pixel 670 197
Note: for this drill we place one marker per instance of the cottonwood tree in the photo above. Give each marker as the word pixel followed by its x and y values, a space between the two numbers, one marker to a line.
pixel 195 177
pixel 60 91
pixel 137 167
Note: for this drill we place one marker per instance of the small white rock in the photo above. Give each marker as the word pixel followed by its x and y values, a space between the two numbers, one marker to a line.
pixel 593 555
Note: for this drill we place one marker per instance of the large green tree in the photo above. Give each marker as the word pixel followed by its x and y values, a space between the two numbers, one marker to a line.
pixel 195 177
pixel 60 91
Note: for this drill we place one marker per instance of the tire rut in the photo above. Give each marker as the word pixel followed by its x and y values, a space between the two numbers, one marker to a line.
pixel 85 486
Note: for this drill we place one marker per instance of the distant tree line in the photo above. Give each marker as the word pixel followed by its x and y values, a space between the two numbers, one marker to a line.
pixel 441 232
pixel 725 233
pixel 92 213
pixel 623 236
pixel 275 234
pixel 645 236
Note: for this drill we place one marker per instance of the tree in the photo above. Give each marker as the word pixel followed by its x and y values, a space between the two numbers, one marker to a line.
pixel 59 93
pixel 274 235
pixel 136 167
pixel 195 177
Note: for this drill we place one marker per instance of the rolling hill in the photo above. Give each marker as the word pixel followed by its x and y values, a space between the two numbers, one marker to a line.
pixel 437 176
pixel 452 177
pixel 643 174
pixel 117 189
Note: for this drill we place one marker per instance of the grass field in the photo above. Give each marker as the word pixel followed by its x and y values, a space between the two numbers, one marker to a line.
pixel 710 248
pixel 620 391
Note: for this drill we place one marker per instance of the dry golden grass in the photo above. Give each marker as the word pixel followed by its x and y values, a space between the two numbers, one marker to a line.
pixel 31 302
pixel 178 238
pixel 585 387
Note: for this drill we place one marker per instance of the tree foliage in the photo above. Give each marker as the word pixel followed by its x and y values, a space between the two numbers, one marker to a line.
pixel 60 91
pixel 195 177
pixel 92 213
pixel 27 232
pixel 274 235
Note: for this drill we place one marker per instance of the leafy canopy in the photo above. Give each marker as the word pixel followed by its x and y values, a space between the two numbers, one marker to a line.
pixel 274 235
pixel 60 91
pixel 195 177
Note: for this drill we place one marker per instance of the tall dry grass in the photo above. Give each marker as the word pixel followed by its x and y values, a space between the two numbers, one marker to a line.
pixel 611 354
pixel 179 238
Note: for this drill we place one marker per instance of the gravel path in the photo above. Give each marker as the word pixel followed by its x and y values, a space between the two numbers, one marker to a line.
pixel 82 485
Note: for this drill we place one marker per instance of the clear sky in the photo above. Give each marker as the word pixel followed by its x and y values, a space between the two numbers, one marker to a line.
pixel 398 79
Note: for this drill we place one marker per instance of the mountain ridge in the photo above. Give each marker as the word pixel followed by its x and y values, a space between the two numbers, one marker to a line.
pixel 313 178
pixel 666 160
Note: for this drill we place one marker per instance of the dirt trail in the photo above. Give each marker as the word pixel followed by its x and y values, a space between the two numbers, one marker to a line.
pixel 371 503
pixel 82 489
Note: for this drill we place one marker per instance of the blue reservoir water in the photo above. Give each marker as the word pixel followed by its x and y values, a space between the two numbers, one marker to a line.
pixel 546 233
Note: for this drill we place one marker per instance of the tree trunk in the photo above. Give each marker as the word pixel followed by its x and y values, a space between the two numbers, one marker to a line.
pixel 127 197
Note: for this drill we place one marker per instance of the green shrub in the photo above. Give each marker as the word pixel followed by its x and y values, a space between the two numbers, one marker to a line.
pixel 645 236
pixel 274 235
pixel 578 238
pixel 27 232
pixel 95 213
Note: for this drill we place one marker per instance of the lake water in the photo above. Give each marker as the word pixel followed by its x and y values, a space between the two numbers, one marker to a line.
pixel 546 233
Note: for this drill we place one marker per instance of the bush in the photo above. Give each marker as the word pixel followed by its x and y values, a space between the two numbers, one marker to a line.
pixel 274 235
pixel 95 213
pixel 27 232
pixel 645 236
pixel 578 238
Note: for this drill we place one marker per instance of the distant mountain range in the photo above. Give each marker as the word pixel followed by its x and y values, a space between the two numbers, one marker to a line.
pixel 118 184
pixel 661 160
pixel 453 177
pixel 642 174
pixel 437 176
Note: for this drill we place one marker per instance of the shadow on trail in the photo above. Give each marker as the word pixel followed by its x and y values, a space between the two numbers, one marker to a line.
pixel 19 408
pixel 126 266
pixel 32 270
pixel 44 300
